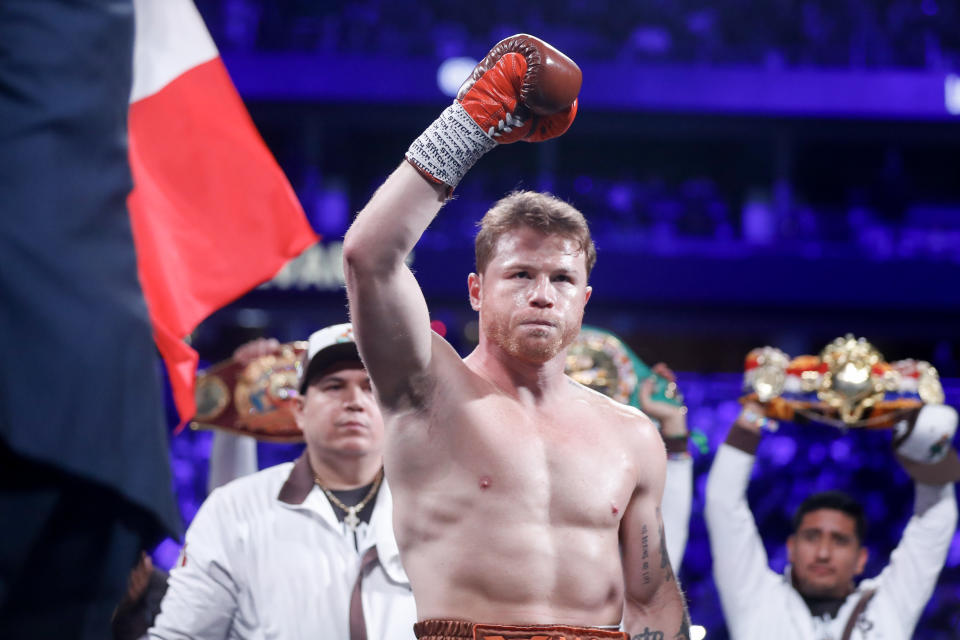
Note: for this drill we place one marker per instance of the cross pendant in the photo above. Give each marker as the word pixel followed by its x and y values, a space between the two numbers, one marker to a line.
pixel 351 519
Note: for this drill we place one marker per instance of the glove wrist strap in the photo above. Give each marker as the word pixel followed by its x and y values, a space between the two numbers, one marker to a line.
pixel 449 146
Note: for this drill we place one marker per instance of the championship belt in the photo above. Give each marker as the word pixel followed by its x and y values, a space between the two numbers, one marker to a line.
pixel 600 360
pixel 849 385
pixel 254 399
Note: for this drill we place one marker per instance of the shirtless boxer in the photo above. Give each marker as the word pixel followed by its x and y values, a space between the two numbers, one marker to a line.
pixel 515 488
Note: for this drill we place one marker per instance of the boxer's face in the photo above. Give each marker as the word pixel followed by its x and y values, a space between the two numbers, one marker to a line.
pixel 339 415
pixel 825 554
pixel 532 294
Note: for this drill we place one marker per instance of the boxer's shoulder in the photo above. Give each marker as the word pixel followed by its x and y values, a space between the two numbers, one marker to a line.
pixel 606 406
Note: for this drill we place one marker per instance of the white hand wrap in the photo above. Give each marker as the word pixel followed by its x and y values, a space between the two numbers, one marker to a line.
pixel 450 146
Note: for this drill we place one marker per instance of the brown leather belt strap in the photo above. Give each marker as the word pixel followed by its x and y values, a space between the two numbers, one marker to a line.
pixel 457 629
pixel 857 610
pixel 358 625
pixel 429 629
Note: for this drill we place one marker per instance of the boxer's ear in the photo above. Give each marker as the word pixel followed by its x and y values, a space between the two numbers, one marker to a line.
pixel 474 287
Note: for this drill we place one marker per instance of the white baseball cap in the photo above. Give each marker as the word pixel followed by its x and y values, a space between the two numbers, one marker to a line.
pixel 327 346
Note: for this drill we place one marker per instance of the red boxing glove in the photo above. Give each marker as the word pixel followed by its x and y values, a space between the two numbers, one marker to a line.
pixel 523 90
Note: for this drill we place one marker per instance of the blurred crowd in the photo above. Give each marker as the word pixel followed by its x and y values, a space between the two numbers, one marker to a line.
pixel 880 213
pixel 698 216
pixel 867 34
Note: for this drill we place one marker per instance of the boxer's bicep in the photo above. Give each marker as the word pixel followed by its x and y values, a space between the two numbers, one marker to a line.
pixel 392 327
pixel 387 307
pixel 646 562
pixel 653 604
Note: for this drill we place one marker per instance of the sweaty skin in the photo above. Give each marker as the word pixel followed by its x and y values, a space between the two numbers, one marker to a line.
pixel 515 488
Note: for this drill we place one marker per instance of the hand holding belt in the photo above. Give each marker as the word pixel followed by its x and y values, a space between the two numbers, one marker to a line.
pixel 850 385
pixel 253 398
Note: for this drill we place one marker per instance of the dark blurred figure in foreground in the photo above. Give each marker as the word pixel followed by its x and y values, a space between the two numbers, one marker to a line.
pixel 84 475
pixel 141 602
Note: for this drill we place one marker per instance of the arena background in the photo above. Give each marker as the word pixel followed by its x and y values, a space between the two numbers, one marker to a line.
pixel 776 173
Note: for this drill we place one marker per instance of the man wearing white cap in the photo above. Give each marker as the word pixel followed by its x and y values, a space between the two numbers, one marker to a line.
pixel 304 549
pixel 817 597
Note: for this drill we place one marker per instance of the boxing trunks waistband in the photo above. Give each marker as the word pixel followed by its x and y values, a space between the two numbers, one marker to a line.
pixel 462 630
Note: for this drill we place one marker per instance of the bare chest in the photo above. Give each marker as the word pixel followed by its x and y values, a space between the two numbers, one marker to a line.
pixel 566 465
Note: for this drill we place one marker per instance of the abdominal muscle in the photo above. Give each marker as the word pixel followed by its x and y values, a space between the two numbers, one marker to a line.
pixel 503 567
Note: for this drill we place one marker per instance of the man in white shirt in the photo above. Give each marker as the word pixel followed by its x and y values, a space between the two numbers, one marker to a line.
pixel 816 597
pixel 303 549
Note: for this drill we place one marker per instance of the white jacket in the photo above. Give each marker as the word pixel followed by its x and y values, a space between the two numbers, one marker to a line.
pixel 677 500
pixel 266 557
pixel 761 604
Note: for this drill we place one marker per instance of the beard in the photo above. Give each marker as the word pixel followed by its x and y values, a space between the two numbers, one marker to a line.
pixel 526 343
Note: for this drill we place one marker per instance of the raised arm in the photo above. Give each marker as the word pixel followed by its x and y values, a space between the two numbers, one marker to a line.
pixel 677 503
pixel 653 603
pixel 911 575
pixel 740 568
pixel 523 90
pixel 387 308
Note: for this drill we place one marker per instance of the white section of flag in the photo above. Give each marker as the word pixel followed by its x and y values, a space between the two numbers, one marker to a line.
pixel 170 39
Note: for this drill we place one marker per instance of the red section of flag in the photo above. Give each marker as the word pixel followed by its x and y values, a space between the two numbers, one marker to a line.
pixel 213 214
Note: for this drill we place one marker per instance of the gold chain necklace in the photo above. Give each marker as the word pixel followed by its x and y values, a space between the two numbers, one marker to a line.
pixel 351 518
